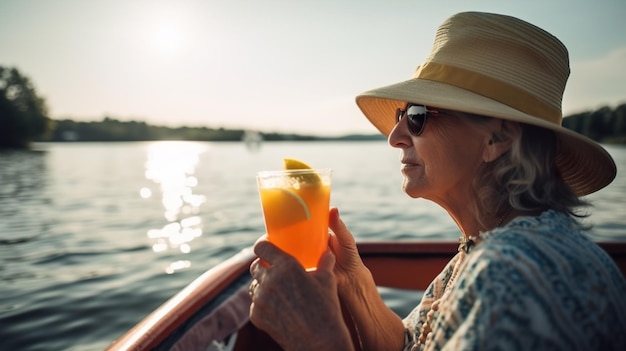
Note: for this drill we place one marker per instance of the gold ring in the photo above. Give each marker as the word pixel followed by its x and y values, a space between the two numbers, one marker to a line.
pixel 253 286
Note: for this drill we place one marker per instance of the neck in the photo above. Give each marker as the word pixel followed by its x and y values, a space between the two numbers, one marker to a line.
pixel 504 217
pixel 467 241
pixel 471 227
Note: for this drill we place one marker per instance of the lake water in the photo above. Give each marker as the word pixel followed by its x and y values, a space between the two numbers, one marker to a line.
pixel 94 236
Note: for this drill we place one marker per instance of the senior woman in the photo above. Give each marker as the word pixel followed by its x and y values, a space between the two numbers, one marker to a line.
pixel 479 132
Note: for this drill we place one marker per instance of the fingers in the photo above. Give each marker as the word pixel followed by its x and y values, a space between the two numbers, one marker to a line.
pixel 268 252
pixel 326 262
pixel 254 285
pixel 270 255
pixel 343 235
pixel 254 268
pixel 262 238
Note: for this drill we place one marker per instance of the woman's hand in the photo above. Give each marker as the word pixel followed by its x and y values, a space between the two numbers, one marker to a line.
pixel 299 309
pixel 349 266
pixel 379 328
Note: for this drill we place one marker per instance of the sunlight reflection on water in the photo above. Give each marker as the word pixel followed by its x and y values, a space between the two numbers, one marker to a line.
pixel 172 165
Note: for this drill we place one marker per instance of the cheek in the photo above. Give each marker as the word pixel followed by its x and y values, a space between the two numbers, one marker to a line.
pixel 442 152
pixel 456 146
pixel 450 156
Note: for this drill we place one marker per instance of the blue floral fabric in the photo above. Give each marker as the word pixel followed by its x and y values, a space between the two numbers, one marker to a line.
pixel 537 283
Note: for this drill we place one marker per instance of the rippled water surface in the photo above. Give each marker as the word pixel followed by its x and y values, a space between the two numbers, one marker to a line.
pixel 94 236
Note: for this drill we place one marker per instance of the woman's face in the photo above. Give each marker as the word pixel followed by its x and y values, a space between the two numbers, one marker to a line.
pixel 440 163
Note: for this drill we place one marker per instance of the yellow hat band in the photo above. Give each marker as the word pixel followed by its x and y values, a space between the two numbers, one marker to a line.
pixel 489 87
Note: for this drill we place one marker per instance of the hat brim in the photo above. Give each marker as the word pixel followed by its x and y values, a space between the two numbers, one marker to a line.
pixel 584 165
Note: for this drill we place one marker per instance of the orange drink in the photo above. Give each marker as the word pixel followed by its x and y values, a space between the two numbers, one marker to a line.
pixel 295 206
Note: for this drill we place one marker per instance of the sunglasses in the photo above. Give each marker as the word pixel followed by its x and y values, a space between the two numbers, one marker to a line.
pixel 416 117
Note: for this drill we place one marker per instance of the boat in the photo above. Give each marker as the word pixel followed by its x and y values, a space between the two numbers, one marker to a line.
pixel 252 139
pixel 211 313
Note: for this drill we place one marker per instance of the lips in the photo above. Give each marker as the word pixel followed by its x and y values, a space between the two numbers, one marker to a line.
pixel 408 163
pixel 408 166
pixel 409 159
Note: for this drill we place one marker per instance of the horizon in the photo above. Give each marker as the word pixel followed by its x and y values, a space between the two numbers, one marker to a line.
pixel 373 133
pixel 274 66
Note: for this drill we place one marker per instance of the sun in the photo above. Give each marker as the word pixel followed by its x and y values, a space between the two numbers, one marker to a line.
pixel 168 37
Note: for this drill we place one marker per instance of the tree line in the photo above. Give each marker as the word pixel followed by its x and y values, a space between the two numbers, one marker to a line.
pixel 24 118
pixel 23 114
pixel 604 125
pixel 110 129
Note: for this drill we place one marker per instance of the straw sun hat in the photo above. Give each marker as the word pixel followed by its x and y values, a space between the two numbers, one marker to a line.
pixel 498 66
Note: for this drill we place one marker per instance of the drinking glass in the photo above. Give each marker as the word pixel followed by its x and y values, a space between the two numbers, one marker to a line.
pixel 295 208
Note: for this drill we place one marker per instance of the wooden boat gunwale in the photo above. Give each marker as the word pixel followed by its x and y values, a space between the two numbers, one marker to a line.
pixel 154 329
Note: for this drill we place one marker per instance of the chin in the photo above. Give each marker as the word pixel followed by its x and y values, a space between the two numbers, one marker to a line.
pixel 411 191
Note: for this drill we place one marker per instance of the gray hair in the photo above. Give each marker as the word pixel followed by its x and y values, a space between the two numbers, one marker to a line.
pixel 525 177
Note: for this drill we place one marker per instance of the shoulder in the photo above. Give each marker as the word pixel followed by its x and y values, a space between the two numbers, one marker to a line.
pixel 550 247
pixel 553 242
pixel 534 270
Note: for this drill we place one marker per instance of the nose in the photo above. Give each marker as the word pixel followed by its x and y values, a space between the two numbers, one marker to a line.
pixel 400 137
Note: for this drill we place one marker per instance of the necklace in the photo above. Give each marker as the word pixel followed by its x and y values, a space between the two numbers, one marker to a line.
pixel 466 243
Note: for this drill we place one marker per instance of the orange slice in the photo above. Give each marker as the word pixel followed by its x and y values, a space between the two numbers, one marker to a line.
pixel 292 163
pixel 283 208
pixel 308 178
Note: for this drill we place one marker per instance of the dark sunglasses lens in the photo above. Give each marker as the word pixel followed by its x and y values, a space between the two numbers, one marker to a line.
pixel 399 115
pixel 416 116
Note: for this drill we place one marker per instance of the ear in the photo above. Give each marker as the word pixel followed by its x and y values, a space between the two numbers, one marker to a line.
pixel 494 146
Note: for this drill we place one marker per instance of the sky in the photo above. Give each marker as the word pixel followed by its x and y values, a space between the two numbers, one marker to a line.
pixel 271 65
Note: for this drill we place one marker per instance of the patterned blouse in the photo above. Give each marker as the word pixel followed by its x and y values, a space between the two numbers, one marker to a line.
pixel 535 284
